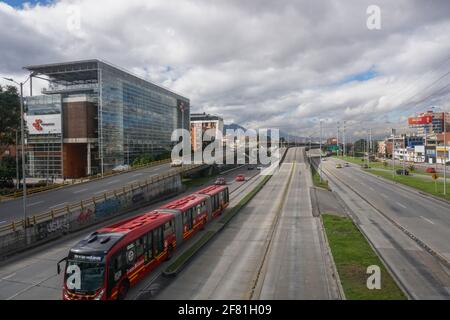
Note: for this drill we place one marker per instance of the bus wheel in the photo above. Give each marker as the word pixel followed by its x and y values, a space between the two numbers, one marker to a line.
pixel 123 290
pixel 169 253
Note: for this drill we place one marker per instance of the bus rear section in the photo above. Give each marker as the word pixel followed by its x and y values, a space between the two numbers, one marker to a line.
pixel 193 214
pixel 219 198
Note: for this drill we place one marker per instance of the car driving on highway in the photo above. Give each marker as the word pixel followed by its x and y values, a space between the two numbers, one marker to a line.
pixel 176 163
pixel 240 178
pixel 220 182
pixel 122 167
pixel 431 170
pixel 339 166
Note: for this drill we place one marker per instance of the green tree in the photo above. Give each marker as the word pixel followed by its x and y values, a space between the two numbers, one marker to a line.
pixel 9 114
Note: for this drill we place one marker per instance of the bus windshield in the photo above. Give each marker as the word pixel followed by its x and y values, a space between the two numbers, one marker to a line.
pixel 84 276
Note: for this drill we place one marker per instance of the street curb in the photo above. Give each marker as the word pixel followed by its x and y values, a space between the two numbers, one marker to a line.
pixel 337 278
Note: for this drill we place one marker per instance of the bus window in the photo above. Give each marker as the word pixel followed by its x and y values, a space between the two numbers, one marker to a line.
pixel 158 241
pixel 187 219
pixel 139 243
pixel 149 248
pixel 168 229
pixel 199 209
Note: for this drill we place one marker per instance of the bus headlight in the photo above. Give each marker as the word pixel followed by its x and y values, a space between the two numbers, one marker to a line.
pixel 100 295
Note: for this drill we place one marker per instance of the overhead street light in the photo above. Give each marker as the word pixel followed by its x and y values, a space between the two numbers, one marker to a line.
pixel 24 196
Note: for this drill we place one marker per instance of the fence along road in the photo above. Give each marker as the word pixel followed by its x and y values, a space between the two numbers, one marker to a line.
pixel 42 202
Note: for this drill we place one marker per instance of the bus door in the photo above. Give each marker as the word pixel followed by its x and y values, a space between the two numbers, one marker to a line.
pixel 116 269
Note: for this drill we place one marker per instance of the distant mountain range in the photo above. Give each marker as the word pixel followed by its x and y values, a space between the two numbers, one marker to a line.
pixel 286 136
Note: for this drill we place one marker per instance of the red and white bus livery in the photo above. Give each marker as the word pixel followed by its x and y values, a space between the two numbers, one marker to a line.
pixel 111 260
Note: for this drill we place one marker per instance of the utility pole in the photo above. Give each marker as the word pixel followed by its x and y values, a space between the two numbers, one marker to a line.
pixel 22 131
pixel 320 163
pixel 337 139
pixel 393 153
pixel 445 154
pixel 345 141
pixel 17 162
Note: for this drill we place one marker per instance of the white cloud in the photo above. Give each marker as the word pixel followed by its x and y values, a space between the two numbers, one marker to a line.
pixel 258 63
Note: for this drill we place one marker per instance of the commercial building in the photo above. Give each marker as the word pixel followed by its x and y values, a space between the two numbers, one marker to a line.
pixel 430 123
pixel 94 116
pixel 200 123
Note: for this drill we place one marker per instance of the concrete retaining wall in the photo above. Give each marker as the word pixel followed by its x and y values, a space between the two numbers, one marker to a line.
pixel 85 216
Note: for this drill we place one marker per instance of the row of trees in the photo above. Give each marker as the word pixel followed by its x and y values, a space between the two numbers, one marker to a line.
pixel 146 158
pixel 9 125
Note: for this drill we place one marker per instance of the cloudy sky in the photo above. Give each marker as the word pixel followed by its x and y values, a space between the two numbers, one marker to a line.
pixel 265 63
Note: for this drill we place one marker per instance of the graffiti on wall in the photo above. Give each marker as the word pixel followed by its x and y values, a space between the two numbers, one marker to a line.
pixel 85 216
pixel 49 228
pixel 107 208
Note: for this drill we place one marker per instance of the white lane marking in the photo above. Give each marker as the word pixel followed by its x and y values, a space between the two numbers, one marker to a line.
pixel 103 191
pixel 371 188
pixel 58 205
pixel 427 220
pixel 10 276
pixel 401 205
pixel 384 196
pixel 137 175
pixel 2 221
pixel 80 191
pixel 35 203
pixel 114 181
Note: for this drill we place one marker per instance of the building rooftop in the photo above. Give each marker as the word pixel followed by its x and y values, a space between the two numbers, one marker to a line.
pixel 82 72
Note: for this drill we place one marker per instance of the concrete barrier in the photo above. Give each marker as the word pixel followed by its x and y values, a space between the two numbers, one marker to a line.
pixel 96 211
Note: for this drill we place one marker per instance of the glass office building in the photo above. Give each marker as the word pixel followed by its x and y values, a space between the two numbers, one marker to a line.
pixel 108 117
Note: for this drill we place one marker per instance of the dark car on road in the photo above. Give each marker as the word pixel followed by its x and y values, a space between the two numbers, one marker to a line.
pixel 402 172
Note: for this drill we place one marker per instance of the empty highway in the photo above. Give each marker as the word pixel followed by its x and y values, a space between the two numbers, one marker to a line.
pixel 379 207
pixel 273 249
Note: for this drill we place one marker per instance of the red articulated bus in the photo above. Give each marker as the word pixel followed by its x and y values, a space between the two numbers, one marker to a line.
pixel 107 263
pixel 219 198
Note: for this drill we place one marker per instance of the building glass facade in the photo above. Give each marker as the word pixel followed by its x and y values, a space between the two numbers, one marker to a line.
pixel 133 116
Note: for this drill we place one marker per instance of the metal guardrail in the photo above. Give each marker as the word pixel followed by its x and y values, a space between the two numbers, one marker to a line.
pixel 18 194
pixel 58 212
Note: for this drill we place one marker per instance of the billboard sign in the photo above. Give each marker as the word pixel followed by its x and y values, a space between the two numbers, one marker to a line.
pixel 44 124
pixel 415 121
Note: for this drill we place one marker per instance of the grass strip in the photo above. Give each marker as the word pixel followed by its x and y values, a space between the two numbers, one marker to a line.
pixel 316 179
pixel 427 186
pixel 196 182
pixel 353 255
pixel 182 259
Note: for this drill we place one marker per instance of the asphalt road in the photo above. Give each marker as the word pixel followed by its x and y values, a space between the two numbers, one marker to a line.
pixel 52 199
pixel 271 250
pixel 421 274
pixel 32 275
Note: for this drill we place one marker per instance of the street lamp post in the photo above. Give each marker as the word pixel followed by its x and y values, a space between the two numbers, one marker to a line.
pixel 24 197
pixel 17 162
pixel 320 150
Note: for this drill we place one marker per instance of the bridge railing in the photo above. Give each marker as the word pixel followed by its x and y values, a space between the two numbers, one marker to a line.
pixel 92 201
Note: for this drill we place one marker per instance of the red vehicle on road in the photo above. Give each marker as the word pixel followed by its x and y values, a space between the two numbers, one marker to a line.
pixel 431 170
pixel 107 263
pixel 219 197
pixel 240 178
